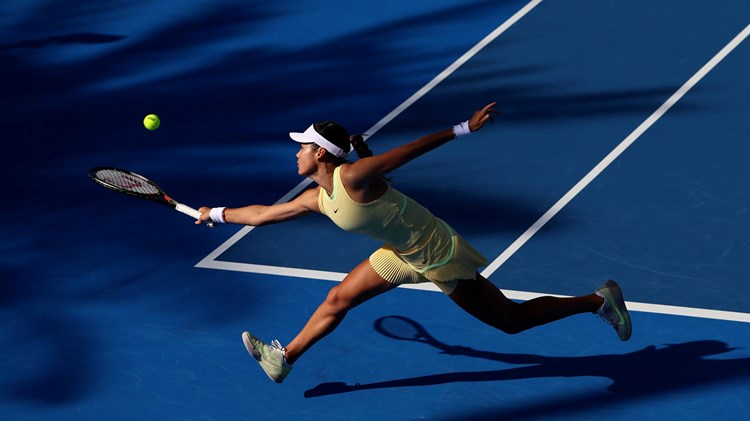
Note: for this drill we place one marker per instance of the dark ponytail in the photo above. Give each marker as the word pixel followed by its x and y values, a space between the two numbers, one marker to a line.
pixel 338 135
pixel 359 145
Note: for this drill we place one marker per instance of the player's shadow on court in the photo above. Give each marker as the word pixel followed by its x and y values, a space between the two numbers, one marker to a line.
pixel 649 371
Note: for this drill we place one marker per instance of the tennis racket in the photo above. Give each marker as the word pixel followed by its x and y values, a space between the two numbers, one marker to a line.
pixel 130 183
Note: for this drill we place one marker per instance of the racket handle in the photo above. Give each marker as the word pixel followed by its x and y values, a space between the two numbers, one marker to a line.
pixel 187 210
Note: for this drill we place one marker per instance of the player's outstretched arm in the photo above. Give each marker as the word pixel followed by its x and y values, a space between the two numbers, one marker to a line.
pixel 366 171
pixel 258 215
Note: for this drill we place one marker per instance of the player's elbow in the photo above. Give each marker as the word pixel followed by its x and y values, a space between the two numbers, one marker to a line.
pixel 258 222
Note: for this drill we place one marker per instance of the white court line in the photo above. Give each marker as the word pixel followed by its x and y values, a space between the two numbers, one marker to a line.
pixel 573 192
pixel 210 262
pixel 453 67
pixel 513 295
pixel 651 308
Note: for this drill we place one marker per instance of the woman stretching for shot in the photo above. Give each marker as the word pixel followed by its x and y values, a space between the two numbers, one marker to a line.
pixel 417 246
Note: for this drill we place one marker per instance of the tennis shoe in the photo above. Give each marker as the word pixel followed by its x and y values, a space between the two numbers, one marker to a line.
pixel 613 310
pixel 270 357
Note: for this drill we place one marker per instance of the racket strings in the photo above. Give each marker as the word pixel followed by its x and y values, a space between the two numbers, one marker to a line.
pixel 126 182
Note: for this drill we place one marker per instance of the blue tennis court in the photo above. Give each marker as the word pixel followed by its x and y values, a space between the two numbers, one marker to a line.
pixel 620 153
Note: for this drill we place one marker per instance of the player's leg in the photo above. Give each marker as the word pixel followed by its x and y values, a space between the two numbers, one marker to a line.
pixel 483 300
pixel 359 286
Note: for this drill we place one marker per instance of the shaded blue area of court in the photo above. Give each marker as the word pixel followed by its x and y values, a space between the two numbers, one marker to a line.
pixel 107 317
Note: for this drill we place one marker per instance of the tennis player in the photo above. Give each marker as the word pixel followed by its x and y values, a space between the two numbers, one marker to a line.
pixel 417 246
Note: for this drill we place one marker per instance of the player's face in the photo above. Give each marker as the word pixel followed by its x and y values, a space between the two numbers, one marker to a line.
pixel 306 162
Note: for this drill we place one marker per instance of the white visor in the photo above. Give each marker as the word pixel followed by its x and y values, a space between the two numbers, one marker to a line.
pixel 312 136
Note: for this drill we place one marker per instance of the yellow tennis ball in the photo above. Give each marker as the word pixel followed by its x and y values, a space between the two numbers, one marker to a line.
pixel 151 122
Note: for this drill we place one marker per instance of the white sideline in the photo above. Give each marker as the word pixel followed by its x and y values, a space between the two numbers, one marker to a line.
pixel 513 295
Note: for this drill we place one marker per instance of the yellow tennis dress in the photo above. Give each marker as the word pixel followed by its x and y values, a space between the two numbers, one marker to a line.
pixel 418 247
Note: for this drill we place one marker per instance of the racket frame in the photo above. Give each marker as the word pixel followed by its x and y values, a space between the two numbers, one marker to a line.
pixel 159 197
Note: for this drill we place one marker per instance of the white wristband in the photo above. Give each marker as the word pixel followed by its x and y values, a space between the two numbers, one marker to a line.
pixel 462 129
pixel 217 215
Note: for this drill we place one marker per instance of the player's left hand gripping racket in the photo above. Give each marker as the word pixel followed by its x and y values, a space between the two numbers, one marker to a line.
pixel 133 184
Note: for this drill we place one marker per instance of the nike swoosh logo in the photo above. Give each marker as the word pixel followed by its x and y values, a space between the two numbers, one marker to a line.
pixel 620 317
pixel 336 210
pixel 621 321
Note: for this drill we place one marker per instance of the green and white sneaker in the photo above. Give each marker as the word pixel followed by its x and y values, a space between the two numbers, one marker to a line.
pixel 270 357
pixel 613 310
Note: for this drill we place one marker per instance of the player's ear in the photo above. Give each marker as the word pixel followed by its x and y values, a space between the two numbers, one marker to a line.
pixel 320 153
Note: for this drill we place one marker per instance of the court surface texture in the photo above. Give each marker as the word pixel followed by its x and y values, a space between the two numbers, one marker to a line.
pixel 620 153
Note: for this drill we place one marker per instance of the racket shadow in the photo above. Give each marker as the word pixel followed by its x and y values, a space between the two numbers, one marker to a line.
pixel 648 371
pixel 405 329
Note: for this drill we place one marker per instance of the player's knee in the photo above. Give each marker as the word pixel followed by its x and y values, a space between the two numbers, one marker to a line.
pixel 510 321
pixel 336 300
